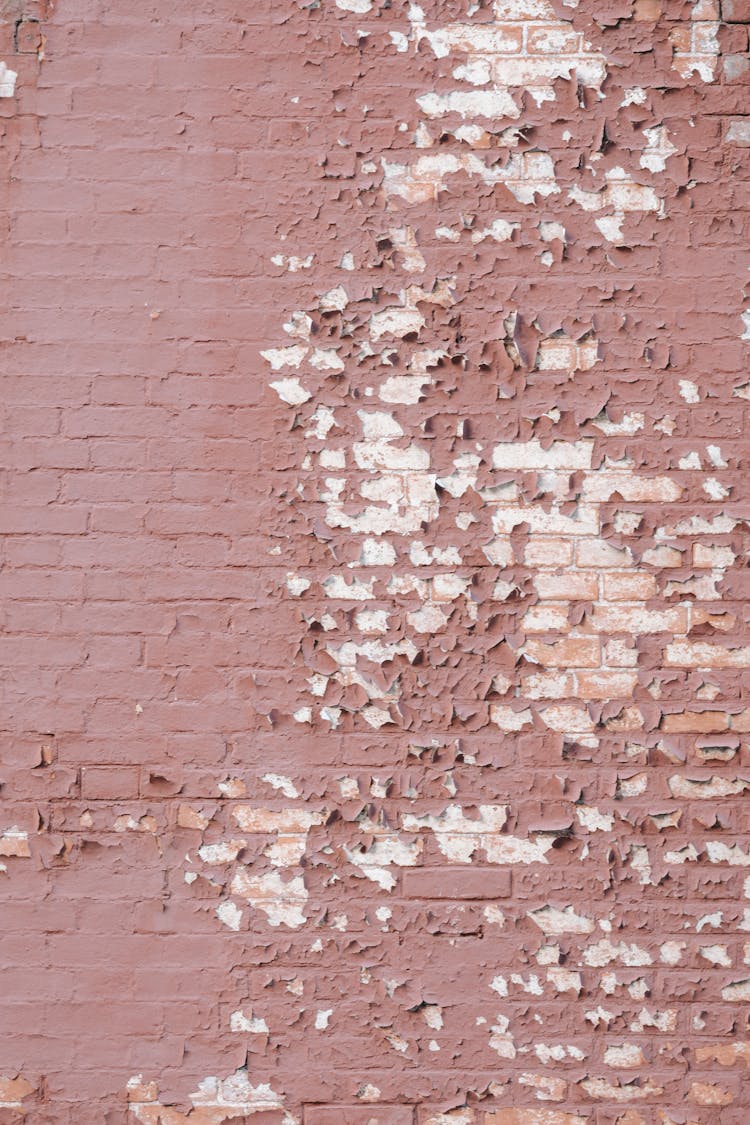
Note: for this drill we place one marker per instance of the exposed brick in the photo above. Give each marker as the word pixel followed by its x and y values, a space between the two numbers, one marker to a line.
pixel 735 11
pixel 574 652
pixel 570 585
pixel 629 587
pixel 707 721
pixel 738 132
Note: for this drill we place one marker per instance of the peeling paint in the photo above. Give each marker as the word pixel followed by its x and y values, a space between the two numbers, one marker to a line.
pixel 374 564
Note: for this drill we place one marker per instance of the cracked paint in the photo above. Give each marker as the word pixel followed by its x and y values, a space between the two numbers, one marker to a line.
pixel 374 559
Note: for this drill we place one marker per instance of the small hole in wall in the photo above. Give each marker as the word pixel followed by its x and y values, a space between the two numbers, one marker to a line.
pixel 27 37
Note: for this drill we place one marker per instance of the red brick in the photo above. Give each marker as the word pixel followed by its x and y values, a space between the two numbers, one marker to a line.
pixel 735 11
pixel 468 882
pixel 706 721
pixel 102 783
pixel 573 652
pixel 359 1115
pixel 629 587
pixel 526 666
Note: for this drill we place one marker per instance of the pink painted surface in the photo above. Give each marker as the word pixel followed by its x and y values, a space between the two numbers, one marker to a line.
pixel 374 565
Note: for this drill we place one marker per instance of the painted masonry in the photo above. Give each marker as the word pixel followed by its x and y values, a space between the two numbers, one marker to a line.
pixel 374 570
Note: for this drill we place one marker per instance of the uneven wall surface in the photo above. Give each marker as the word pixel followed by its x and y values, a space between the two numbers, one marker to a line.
pixel 374 566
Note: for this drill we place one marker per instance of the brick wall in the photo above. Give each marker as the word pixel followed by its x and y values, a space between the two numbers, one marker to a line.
pixel 376 687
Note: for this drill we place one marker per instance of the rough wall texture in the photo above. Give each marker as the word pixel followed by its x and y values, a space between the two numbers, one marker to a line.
pixel 374 570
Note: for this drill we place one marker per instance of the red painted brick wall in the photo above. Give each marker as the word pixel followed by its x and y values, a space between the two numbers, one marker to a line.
pixel 374 562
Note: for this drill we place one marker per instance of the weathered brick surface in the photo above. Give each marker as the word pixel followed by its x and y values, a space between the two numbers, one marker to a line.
pixel 374 563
